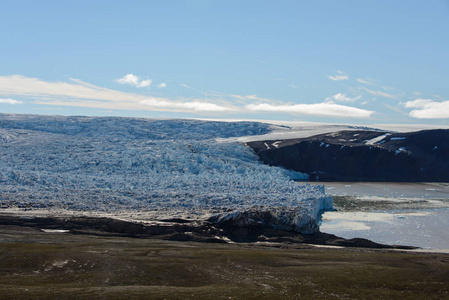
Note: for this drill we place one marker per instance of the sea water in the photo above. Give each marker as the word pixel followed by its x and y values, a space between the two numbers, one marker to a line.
pixel 412 214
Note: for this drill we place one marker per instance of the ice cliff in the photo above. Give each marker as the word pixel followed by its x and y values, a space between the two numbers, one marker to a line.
pixel 167 167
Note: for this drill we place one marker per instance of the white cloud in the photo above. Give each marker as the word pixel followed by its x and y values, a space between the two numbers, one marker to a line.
pixel 9 101
pixel 238 97
pixel 134 80
pixel 77 93
pixel 342 98
pixel 428 109
pixel 374 83
pixel 45 90
pixel 364 81
pixel 81 94
pixel 185 85
pixel 129 79
pixel 317 109
pixel 191 105
pixel 339 77
pixel 161 85
pixel 145 83
pixel 394 108
pixel 251 99
pixel 379 93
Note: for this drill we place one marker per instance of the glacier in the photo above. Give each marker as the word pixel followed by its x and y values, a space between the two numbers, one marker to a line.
pixel 161 168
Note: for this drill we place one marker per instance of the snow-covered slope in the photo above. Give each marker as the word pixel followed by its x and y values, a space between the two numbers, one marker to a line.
pixel 166 167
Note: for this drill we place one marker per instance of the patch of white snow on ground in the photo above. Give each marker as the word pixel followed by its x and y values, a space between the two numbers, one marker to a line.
pixel 276 144
pixel 402 149
pixel 376 139
pixel 55 230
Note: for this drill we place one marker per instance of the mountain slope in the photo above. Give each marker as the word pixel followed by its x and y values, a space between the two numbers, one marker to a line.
pixel 363 155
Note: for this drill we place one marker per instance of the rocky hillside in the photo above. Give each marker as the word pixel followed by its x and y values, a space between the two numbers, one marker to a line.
pixel 362 155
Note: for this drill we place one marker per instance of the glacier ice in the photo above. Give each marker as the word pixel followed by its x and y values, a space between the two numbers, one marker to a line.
pixel 165 166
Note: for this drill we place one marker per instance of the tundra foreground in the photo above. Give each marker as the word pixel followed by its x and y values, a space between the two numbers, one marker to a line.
pixel 53 265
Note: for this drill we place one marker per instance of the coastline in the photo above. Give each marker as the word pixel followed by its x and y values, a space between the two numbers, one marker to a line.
pixel 182 230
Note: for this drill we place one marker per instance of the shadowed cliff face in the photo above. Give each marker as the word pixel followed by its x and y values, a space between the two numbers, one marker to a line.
pixel 363 155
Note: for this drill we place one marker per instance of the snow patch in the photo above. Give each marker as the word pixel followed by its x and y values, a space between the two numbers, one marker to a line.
pixel 376 139
pixel 276 144
pixel 402 149
pixel 55 230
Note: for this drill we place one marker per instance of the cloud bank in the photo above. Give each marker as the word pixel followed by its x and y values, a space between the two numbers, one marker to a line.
pixel 316 109
pixel 428 109
pixel 192 105
pixel 77 93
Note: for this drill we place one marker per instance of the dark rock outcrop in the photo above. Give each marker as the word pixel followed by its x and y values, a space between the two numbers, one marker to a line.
pixel 183 231
pixel 421 156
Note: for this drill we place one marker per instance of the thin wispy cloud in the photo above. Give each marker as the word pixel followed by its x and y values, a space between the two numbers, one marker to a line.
pixel 365 81
pixel 394 108
pixel 341 76
pixel 134 80
pixel 255 99
pixel 161 85
pixel 378 93
pixel 428 109
pixel 186 86
pixel 338 77
pixel 9 101
pixel 191 105
pixel 375 83
pixel 342 98
pixel 316 109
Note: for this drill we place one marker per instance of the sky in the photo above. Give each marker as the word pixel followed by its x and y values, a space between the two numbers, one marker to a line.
pixel 359 62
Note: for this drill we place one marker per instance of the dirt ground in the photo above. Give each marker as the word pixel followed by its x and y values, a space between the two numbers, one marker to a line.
pixel 55 265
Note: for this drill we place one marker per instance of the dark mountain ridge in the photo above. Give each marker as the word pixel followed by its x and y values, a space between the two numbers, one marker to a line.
pixel 360 155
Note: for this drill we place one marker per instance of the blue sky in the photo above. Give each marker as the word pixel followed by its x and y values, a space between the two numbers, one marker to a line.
pixel 365 62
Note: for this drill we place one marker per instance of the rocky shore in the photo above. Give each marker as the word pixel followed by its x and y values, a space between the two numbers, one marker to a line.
pixel 211 231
